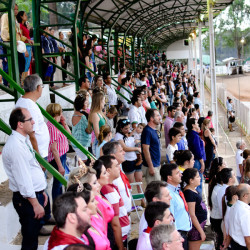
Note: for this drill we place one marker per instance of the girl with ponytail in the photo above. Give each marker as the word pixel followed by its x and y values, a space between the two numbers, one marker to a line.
pixel 104 137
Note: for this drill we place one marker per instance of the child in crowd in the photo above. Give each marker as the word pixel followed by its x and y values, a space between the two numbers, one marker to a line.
pixel 137 136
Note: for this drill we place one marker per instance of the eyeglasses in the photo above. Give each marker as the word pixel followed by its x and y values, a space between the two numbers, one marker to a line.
pixel 28 120
pixel 126 121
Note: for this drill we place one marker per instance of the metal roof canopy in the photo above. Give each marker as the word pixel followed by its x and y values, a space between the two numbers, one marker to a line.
pixel 160 22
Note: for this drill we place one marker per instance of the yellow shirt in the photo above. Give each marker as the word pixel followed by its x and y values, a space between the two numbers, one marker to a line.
pixel 5 33
pixel 181 169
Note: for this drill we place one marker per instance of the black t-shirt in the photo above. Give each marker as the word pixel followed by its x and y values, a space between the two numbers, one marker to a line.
pixel 200 207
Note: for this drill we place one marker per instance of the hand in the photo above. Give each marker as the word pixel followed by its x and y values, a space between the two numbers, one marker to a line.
pixel 26 54
pixel 139 150
pixel 202 168
pixel 39 211
pixel 151 171
pixel 45 199
pixel 30 42
pixel 61 170
pixel 203 236
pixel 63 120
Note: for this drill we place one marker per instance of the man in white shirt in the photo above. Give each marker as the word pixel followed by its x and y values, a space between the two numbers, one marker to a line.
pixel 26 178
pixel 134 114
pixel 39 137
pixel 156 213
pixel 240 145
pixel 72 217
pixel 155 191
pixel 112 96
pixel 239 224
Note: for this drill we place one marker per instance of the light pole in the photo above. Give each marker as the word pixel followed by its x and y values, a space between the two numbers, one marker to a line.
pixel 242 49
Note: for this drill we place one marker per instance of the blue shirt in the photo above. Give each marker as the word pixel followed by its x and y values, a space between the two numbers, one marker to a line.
pixel 45 44
pixel 182 219
pixel 196 145
pixel 150 137
pixel 181 144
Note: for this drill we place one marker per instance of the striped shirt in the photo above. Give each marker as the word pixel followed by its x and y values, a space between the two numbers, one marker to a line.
pixel 60 139
pixel 112 194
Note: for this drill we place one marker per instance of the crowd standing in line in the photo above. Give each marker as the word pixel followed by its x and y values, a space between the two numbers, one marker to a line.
pixel 94 211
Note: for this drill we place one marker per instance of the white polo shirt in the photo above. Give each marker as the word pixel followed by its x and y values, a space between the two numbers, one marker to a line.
pixel 215 211
pixel 144 242
pixel 134 115
pixel 239 224
pixel 219 197
pixel 239 160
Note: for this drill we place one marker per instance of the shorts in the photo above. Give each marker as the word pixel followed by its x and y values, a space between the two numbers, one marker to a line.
pixel 49 71
pixel 129 167
pixel 193 234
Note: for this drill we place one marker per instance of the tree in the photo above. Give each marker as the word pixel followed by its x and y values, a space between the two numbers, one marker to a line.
pixel 231 22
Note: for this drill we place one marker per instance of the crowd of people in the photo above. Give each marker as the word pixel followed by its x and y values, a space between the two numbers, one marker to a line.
pixel 123 133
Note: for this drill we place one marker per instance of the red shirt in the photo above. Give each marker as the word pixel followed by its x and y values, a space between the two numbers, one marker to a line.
pixel 25 31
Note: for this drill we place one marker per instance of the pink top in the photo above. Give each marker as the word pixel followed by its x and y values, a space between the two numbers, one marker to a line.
pixel 107 212
pixel 100 239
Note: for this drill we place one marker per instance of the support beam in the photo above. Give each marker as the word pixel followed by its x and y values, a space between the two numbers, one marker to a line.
pixel 212 71
pixel 202 94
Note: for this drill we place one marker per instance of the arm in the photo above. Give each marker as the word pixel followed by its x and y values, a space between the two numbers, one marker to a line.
pixel 128 149
pixel 95 121
pixel 34 141
pixel 247 240
pixel 116 226
pixel 87 61
pixel 37 207
pixel 63 121
pixel 208 133
pixel 191 209
pixel 147 156
pixel 55 153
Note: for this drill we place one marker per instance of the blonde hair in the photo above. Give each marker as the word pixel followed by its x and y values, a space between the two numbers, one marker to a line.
pixel 54 109
pixel 204 124
pixel 86 178
pixel 113 110
pixel 104 131
pixel 96 106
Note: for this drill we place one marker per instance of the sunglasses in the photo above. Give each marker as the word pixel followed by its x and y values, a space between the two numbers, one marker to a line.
pixel 126 121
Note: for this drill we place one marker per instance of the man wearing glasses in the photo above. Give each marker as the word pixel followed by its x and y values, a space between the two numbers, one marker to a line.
pixel 26 178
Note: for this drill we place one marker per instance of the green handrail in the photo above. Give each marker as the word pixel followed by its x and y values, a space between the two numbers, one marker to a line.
pixel 118 84
pixel 62 96
pixel 49 117
pixel 118 92
pixel 5 128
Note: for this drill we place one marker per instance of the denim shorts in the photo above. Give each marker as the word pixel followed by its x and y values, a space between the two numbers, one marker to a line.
pixel 130 167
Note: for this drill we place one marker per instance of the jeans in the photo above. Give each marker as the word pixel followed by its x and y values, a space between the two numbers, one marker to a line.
pixel 30 226
pixel 28 59
pixel 238 179
pixel 57 185
pixel 197 165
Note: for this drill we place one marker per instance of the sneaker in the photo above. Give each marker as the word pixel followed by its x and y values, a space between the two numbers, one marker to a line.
pixel 44 231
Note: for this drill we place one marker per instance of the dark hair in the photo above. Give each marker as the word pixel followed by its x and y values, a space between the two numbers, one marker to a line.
pixel 121 124
pixel 184 110
pixel 226 174
pixel 79 101
pixel 180 156
pixel 63 205
pixel 216 163
pixel 15 117
pixel 85 194
pixel 196 106
pixel 188 174
pixel 190 123
pixel 166 170
pixel 150 114
pixel 105 76
pixel 107 160
pixel 188 104
pixel 98 167
pixel 173 132
pixel 155 211
pixel 124 80
pixel 178 125
pixel 196 94
pixel 229 193
pixel 137 92
pixel 81 80
pixel 153 189
pixel 134 99
pixel 110 147
pixel 171 108
pixel 19 17
pixel 210 113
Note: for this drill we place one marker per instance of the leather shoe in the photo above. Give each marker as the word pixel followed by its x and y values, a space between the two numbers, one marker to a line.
pixel 51 221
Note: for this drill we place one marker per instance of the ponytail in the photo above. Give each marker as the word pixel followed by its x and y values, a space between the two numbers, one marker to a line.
pixel 104 131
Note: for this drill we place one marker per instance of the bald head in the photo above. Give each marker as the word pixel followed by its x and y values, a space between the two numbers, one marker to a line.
pixel 243 192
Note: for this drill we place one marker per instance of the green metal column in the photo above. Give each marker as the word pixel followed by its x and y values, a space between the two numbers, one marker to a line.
pixel 133 53
pixel 37 35
pixel 116 45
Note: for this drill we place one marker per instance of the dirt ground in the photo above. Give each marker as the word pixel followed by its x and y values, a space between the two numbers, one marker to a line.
pixel 237 85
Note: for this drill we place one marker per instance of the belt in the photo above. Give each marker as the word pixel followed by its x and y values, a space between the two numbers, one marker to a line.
pixel 39 192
